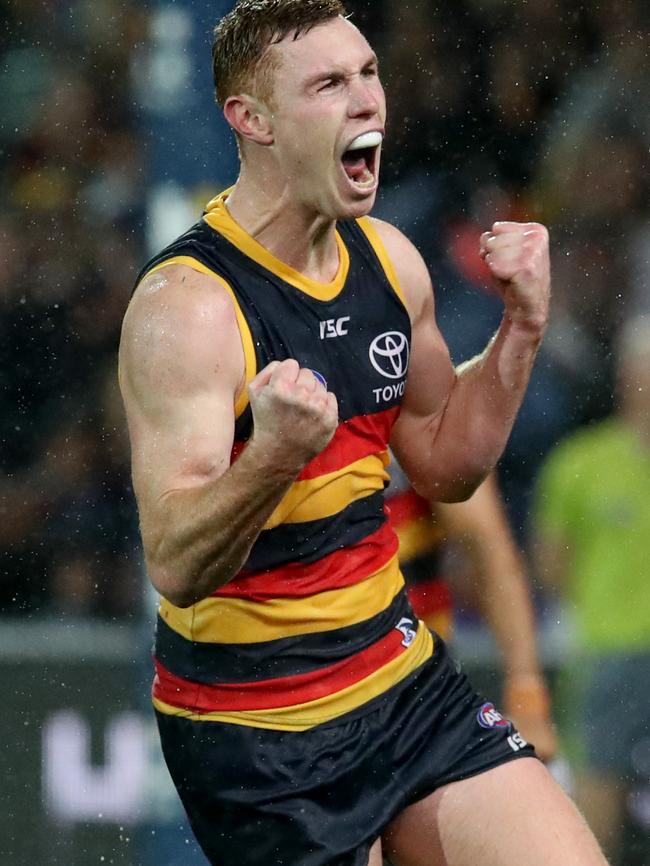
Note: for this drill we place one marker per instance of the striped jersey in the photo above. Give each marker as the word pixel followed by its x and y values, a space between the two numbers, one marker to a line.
pixel 317 622
pixel 421 538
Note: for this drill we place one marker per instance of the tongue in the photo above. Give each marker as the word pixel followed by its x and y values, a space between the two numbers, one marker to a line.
pixel 354 165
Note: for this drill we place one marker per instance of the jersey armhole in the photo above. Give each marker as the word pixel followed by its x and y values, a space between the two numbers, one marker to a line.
pixel 250 359
pixel 371 233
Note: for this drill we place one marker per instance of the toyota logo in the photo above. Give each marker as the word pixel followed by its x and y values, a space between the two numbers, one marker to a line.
pixel 389 354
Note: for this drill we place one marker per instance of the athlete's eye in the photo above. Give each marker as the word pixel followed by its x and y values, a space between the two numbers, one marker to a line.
pixel 331 83
pixel 370 72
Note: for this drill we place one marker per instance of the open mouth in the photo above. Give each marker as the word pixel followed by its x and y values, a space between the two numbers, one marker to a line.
pixel 360 159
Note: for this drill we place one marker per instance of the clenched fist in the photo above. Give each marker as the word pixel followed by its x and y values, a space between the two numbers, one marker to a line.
pixel 517 255
pixel 294 415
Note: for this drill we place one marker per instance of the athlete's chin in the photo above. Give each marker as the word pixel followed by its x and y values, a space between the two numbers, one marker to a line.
pixel 357 205
pixel 362 209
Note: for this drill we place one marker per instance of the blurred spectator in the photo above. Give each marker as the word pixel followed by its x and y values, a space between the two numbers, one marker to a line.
pixel 593 522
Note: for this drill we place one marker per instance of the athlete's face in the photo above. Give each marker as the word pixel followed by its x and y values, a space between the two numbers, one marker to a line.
pixel 326 94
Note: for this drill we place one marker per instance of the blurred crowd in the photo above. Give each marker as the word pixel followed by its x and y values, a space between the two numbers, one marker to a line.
pixel 71 219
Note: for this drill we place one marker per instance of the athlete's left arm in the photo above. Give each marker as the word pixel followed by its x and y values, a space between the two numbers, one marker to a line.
pixel 454 424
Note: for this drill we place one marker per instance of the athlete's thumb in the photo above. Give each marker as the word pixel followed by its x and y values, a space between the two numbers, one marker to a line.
pixel 262 379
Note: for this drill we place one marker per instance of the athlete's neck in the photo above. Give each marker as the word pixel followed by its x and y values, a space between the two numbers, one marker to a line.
pixel 302 239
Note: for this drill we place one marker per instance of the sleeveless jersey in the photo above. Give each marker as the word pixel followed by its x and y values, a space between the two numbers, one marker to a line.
pixel 317 623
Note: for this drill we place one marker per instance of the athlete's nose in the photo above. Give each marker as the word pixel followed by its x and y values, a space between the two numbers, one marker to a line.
pixel 365 98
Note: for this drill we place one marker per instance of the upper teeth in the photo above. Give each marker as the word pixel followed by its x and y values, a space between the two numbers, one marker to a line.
pixel 368 139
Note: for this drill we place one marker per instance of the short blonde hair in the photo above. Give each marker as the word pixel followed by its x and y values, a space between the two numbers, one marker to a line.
pixel 242 38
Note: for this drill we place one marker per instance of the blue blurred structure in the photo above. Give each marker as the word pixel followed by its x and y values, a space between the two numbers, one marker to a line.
pixel 191 152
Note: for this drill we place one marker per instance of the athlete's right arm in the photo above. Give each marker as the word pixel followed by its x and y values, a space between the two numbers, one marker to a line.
pixel 181 369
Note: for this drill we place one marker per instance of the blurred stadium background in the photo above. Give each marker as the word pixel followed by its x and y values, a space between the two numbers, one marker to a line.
pixel 109 145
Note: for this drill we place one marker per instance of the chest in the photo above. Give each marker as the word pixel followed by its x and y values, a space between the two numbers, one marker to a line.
pixel 359 342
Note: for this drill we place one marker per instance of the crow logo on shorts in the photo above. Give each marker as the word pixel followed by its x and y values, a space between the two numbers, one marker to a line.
pixel 489 717
pixel 405 625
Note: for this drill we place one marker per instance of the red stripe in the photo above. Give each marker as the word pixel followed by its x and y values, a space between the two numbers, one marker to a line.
pixel 428 597
pixel 237 448
pixel 278 692
pixel 405 507
pixel 354 439
pixel 344 567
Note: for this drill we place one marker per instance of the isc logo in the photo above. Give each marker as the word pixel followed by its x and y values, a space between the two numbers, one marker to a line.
pixel 334 328
pixel 516 742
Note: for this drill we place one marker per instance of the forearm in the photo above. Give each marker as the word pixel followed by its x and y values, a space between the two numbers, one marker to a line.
pixel 551 558
pixel 480 412
pixel 508 611
pixel 200 537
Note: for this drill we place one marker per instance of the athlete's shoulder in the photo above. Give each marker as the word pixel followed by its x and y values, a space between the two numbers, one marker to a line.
pixel 410 268
pixel 182 291
pixel 178 315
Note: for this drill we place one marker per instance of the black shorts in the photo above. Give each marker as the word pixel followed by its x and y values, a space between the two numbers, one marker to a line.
pixel 321 797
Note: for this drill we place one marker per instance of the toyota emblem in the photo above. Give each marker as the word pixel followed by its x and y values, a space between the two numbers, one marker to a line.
pixel 389 354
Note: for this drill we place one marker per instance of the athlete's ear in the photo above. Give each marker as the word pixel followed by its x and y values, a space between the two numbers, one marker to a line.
pixel 250 118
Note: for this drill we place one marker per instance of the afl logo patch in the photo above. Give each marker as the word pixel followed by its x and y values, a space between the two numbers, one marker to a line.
pixel 489 717
pixel 389 354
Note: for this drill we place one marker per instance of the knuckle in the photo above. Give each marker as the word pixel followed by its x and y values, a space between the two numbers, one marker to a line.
pixel 290 365
pixel 537 233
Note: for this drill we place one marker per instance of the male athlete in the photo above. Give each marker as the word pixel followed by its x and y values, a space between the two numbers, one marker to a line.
pixel 269 357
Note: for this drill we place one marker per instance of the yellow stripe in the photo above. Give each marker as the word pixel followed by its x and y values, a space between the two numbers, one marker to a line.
pixel 236 620
pixel 218 218
pixel 366 226
pixel 328 494
pixel 442 623
pixel 244 330
pixel 417 538
pixel 300 717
